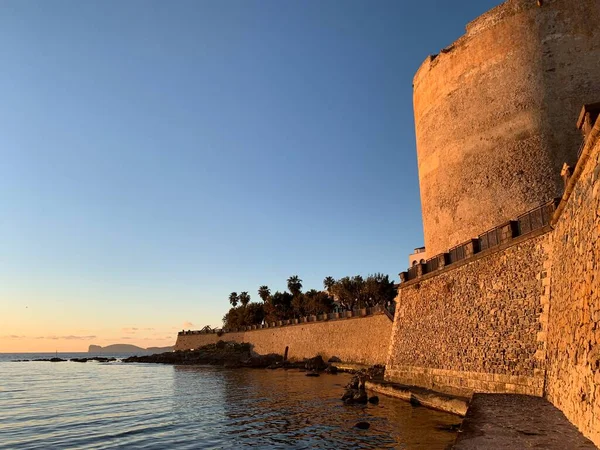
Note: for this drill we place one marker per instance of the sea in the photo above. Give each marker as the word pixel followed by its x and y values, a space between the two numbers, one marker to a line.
pixel 70 405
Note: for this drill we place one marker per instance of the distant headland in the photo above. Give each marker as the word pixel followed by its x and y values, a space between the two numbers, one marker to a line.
pixel 126 348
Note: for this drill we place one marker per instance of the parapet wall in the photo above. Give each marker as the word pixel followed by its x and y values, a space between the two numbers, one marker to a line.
pixel 479 326
pixel 359 340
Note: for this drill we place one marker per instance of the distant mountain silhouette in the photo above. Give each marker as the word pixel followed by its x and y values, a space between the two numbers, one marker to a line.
pixel 127 348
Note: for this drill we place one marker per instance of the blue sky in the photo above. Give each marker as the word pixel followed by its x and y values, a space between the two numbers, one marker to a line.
pixel 158 155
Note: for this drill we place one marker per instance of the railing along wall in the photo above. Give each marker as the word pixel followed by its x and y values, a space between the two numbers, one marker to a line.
pixel 526 223
pixel 362 312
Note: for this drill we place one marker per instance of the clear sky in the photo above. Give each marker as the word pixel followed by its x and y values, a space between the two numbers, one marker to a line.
pixel 156 156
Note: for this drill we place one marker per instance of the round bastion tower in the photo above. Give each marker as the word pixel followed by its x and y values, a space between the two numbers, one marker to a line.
pixel 495 115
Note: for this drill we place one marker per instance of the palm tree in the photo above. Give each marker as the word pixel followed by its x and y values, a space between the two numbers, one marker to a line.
pixel 328 283
pixel 264 292
pixel 294 285
pixel 244 298
pixel 233 299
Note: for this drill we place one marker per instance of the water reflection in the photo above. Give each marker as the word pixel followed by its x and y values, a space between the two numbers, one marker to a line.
pixel 121 406
pixel 279 408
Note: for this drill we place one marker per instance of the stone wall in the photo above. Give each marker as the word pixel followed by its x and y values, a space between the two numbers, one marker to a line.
pixel 573 379
pixel 521 318
pixel 191 341
pixel 360 340
pixel 494 115
pixel 477 326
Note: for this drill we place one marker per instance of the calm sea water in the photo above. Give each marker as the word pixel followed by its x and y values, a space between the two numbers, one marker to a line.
pixel 70 405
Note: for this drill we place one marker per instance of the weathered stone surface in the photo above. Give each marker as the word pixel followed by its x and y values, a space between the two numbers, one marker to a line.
pixel 421 397
pixel 517 421
pixel 573 378
pixel 474 328
pixel 361 340
pixel 494 117
pixel 315 363
pixel 495 114
pixel 518 320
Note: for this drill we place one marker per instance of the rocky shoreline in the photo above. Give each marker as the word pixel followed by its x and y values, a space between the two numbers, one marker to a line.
pixel 233 355
pixel 80 360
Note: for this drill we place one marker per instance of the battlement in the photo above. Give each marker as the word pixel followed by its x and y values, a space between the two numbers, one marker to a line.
pixel 495 239
pixel 498 14
pixel 491 18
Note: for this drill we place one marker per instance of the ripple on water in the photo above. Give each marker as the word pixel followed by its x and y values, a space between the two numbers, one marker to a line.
pixel 73 405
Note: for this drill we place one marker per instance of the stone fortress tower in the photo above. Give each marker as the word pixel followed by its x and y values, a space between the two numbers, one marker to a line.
pixel 495 114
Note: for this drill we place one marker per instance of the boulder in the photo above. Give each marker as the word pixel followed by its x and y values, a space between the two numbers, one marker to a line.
pixel 316 364
pixel 362 425
pixel 102 359
pixel 331 370
pixel 361 397
pixel 353 384
pixel 374 400
pixel 348 394
pixel 232 364
pixel 356 392
pixel 355 397
pixel 376 372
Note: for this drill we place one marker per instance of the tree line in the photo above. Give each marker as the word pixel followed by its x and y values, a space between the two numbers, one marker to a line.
pixel 347 293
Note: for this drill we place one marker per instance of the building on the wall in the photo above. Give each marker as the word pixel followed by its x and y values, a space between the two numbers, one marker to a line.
pixel 418 256
pixel 494 115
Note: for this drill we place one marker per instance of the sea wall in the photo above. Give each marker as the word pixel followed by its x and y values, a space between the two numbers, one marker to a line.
pixel 573 379
pixel 476 326
pixel 523 317
pixel 359 340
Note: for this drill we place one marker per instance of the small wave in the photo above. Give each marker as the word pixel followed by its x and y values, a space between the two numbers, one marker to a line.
pixel 155 407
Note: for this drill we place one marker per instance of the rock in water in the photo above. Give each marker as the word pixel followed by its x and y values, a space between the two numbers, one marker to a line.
pixel 355 397
pixel 452 428
pixel 348 394
pixel 353 384
pixel 376 372
pixel 374 400
pixel 363 425
pixel 360 397
pixel 331 370
pixel 312 374
pixel 315 363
